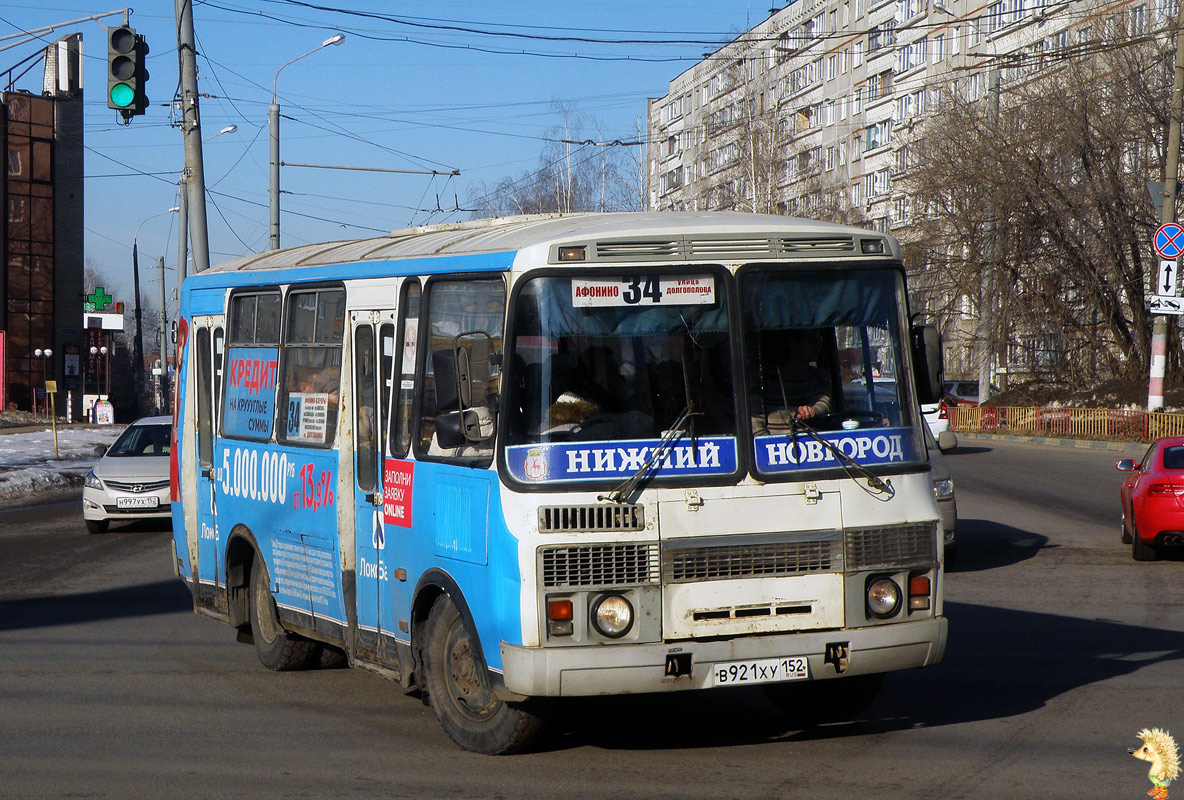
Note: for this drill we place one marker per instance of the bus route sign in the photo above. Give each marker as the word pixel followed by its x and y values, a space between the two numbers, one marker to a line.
pixel 1169 240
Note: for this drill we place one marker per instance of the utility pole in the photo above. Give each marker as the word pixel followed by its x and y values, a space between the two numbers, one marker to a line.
pixel 138 352
pixel 1159 331
pixel 195 177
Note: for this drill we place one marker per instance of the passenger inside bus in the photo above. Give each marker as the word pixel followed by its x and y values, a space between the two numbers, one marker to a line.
pixel 794 387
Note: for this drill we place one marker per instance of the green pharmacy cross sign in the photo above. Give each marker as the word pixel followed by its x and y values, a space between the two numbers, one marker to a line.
pixel 98 301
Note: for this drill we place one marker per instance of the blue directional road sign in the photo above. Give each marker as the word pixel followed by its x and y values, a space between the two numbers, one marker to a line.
pixel 1169 240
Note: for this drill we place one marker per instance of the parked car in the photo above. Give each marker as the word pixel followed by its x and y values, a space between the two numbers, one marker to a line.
pixel 943 491
pixel 131 480
pixel 1152 496
pixel 966 392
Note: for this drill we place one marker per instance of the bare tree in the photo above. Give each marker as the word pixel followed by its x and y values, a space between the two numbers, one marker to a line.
pixel 578 171
pixel 1050 201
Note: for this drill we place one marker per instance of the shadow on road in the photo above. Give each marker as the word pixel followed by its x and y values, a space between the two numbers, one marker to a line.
pixel 966 450
pixel 162 597
pixel 985 544
pixel 998 664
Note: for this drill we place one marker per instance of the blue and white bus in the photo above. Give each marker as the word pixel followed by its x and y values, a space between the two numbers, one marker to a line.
pixel 510 461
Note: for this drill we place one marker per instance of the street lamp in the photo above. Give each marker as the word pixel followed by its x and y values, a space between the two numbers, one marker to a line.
pixel 273 125
pixel 94 351
pixel 139 352
pixel 43 354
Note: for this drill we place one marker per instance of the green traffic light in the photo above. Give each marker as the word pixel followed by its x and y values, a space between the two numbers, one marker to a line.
pixel 122 95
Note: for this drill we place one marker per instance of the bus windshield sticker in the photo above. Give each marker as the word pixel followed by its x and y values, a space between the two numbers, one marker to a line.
pixel 643 290
pixel 599 461
pixel 786 453
pixel 250 391
pixel 398 480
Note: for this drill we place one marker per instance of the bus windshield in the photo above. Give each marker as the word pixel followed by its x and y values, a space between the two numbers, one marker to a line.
pixel 826 348
pixel 615 359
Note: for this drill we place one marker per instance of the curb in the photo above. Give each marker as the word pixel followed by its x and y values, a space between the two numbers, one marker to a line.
pixel 1083 444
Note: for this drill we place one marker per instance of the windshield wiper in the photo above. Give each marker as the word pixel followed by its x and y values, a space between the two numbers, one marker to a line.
pixel 657 453
pixel 850 465
pixel 874 481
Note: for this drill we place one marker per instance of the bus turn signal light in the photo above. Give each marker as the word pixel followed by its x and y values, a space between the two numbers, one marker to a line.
pixel 559 617
pixel 919 593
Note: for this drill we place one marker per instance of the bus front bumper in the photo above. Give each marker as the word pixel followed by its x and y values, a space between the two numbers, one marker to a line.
pixel 637 668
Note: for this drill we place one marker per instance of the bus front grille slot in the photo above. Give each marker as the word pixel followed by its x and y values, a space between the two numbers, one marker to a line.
pixel 599 518
pixel 621 564
pixel 764 556
pixel 891 546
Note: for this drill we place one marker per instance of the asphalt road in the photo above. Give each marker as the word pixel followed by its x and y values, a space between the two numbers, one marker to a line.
pixel 1061 649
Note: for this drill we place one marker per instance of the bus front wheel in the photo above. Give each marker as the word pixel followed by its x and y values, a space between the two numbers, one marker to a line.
pixel 277 649
pixel 459 693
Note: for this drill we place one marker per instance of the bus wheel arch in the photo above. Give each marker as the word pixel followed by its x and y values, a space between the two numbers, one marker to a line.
pixel 240 558
pixel 278 649
pixel 457 684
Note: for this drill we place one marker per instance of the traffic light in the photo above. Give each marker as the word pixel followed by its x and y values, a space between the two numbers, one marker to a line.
pixel 127 72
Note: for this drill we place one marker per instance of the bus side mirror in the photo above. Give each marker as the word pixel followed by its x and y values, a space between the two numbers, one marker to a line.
pixel 928 371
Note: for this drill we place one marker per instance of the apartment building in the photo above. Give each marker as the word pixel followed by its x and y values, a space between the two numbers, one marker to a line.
pixel 809 112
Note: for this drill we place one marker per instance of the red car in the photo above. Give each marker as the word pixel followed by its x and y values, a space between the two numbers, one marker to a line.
pixel 1153 499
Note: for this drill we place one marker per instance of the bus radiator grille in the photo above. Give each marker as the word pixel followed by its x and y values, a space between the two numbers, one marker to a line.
pixel 728 558
pixel 591 519
pixel 893 546
pixel 599 565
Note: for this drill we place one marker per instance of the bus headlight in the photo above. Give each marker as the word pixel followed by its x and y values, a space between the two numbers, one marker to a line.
pixel 612 616
pixel 943 489
pixel 883 597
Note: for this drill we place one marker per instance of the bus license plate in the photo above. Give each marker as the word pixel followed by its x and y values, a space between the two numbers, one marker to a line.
pixel 764 670
pixel 148 501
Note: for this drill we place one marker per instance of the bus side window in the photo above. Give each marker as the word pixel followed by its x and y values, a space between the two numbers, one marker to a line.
pixel 461 315
pixel 310 367
pixel 205 416
pixel 366 422
pixel 386 376
pixel 404 377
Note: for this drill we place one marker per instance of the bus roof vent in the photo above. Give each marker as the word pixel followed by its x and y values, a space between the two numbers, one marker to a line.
pixel 839 244
pixel 735 248
pixel 637 250
pixel 591 519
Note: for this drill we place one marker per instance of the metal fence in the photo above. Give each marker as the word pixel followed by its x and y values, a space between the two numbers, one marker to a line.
pixel 1090 423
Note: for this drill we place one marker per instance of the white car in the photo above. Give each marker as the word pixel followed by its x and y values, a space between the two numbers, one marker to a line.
pixel 937 418
pixel 131 480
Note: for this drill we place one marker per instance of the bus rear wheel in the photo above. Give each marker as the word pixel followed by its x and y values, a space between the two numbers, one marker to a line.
pixel 277 649
pixel 459 693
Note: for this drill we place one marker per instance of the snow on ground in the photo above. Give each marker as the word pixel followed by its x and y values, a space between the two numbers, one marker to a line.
pixel 30 474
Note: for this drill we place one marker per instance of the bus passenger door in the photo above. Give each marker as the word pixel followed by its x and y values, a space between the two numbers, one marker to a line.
pixel 208 350
pixel 373 354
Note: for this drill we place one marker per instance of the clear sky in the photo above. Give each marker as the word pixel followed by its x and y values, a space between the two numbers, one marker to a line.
pixel 416 85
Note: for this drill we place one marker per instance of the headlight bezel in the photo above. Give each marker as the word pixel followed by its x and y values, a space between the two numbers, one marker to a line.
pixel 943 489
